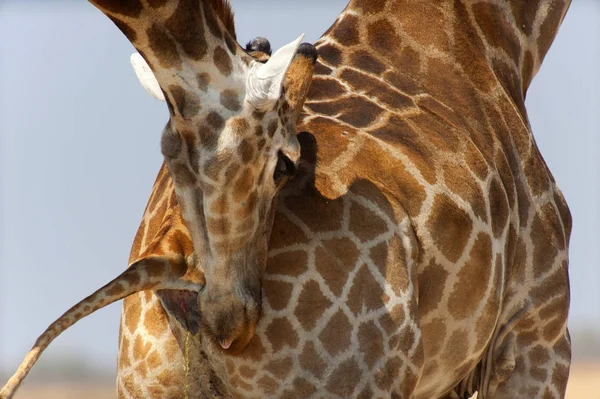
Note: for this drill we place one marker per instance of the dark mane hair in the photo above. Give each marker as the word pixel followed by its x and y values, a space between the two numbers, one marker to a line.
pixel 223 10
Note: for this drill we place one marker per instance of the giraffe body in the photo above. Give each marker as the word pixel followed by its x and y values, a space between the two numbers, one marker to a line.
pixel 421 251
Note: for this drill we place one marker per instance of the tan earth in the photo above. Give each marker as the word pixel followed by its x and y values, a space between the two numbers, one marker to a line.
pixel 584 383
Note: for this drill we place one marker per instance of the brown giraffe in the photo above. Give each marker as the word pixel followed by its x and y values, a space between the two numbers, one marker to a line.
pixel 421 250
pixel 230 130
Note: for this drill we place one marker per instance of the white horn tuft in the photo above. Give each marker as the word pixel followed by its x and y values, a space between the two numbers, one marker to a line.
pixel 265 80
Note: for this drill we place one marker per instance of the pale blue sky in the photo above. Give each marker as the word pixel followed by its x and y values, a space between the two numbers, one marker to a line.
pixel 79 151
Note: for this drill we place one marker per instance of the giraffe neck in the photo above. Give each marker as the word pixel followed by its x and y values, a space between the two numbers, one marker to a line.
pixel 190 46
pixel 509 37
pixel 191 49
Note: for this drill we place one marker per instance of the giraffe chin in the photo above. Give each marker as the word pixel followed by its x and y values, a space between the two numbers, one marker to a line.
pixel 228 319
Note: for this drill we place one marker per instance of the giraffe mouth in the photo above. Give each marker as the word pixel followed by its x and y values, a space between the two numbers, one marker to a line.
pixel 225 343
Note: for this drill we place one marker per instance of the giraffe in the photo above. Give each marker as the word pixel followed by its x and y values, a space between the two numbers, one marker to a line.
pixel 230 130
pixel 421 250
pixel 174 271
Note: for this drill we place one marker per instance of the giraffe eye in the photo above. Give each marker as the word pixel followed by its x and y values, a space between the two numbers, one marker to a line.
pixel 284 168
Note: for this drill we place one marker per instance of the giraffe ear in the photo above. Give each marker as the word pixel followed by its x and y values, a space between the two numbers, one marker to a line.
pixel 146 76
pixel 265 81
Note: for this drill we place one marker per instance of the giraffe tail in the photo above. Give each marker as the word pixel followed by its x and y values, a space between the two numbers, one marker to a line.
pixel 147 274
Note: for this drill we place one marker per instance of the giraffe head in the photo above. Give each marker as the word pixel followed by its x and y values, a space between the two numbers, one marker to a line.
pixel 230 145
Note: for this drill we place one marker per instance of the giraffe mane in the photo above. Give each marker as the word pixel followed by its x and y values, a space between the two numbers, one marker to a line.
pixel 224 12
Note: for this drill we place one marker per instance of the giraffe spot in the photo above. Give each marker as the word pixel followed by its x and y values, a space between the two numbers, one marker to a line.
pixel 434 334
pixel 458 180
pixel 345 31
pixel 115 290
pixel 385 376
pixel 155 321
pixel 365 61
pixel 193 157
pixel 172 351
pixel 243 185
pixel 449 226
pixel 163 46
pixel 170 143
pixel 280 368
pixel 370 342
pixel 124 27
pixel 246 151
pixel 321 69
pixel 325 88
pixel 169 379
pixel 404 340
pixel 186 104
pixel 538 355
pixel 344 379
pixel 142 370
pixel 247 372
pixel 272 128
pixel 382 37
pixel 485 323
pixel 345 109
pixel 203 80
pixel 560 376
pixel 186 27
pixel 291 263
pixel 223 61
pixel 456 348
pixel 548 239
pixel 268 385
pixel 335 337
pixel 219 205
pixel 281 333
pixel 330 54
pixel 140 348
pixel 131 278
pixel 311 361
pixel 363 83
pixel 334 260
pixel 312 210
pixel 473 279
pixel 392 319
pixel 132 317
pixel 366 293
pixel 239 383
pixel 131 9
pixel 301 388
pixel 365 223
pixel 498 207
pixel 218 226
pixel 182 174
pixel 255 349
pixel 475 161
pixel 154 360
pixel 538 373
pixel 229 99
pixel 366 393
pixel 239 126
pixel 432 282
pixel 212 18
pixel 277 293
pixel 311 305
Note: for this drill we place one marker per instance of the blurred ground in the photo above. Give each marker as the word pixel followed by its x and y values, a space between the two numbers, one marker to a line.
pixel 584 383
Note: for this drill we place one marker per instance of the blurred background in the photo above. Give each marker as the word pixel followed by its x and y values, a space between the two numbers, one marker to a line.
pixel 79 152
